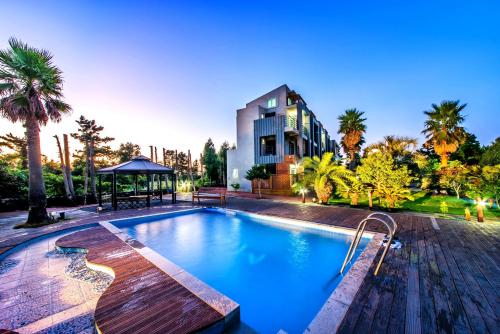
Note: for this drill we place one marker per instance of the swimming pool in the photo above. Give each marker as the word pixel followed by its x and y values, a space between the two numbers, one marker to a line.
pixel 280 272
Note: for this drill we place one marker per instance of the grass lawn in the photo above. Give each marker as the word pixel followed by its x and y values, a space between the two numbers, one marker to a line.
pixel 427 203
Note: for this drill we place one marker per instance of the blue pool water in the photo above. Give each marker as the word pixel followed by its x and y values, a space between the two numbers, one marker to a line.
pixel 280 275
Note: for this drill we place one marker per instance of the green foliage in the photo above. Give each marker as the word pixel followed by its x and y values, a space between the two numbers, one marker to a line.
pixel 222 154
pixel 13 181
pixel 486 184
pixel 31 85
pixel 389 181
pixel 352 127
pixel 259 173
pixel 400 148
pixel 127 151
pixel 427 167
pixel 324 174
pixel 443 207
pixel 443 128
pixel 352 189
pixel 19 145
pixel 211 161
pixel 491 155
pixel 235 186
pixel 454 176
pixel 469 152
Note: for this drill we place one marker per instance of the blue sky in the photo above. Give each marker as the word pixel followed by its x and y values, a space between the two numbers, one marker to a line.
pixel 173 73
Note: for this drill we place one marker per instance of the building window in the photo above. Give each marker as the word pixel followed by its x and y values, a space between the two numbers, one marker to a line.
pixel 291 148
pixel 269 114
pixel 235 173
pixel 272 103
pixel 268 145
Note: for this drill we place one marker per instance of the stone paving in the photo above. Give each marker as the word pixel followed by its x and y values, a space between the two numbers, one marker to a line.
pixel 37 296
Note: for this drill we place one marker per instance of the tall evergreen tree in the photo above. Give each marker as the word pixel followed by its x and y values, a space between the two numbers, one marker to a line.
pixel 211 161
pixel 127 151
pixel 18 145
pixel 223 162
pixel 89 134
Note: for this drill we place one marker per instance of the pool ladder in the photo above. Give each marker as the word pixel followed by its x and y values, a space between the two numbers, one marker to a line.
pixel 391 225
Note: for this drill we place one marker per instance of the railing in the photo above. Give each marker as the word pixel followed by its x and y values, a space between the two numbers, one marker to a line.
pixel 291 121
pixel 391 225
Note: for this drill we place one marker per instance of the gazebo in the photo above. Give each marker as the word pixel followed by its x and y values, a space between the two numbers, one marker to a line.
pixel 138 166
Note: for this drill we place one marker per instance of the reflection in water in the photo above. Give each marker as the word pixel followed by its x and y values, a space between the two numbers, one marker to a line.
pixel 289 272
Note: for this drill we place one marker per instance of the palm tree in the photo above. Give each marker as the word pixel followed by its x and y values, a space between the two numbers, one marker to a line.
pixel 31 93
pixel 443 130
pixel 323 174
pixel 352 128
pixel 399 147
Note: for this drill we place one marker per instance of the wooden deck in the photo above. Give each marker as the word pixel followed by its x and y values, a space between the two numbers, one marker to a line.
pixel 142 298
pixel 444 280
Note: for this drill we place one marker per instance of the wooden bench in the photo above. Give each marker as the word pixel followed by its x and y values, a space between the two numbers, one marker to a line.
pixel 210 193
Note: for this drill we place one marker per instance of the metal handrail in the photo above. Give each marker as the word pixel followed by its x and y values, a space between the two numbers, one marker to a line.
pixel 391 226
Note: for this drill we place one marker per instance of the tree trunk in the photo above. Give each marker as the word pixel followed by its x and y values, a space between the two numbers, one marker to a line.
pixel 36 196
pixel 258 186
pixel 93 188
pixel 67 164
pixel 444 160
pixel 370 199
pixel 86 174
pixel 190 167
pixel 63 168
pixel 355 199
pixel 352 155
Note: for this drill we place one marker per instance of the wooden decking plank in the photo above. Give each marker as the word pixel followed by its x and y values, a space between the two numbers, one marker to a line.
pixel 440 284
pixel 474 291
pixel 472 312
pixel 413 317
pixel 398 308
pixel 141 294
pixel 427 309
pixel 349 322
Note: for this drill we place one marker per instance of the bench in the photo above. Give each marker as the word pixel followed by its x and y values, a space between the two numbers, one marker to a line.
pixel 210 193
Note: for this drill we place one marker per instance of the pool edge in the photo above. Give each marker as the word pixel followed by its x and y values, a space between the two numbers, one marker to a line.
pixel 228 308
pixel 333 311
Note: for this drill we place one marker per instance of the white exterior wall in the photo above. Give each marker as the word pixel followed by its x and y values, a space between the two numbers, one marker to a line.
pixel 242 158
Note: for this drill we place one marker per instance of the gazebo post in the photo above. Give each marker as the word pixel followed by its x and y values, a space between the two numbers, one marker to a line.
pixel 148 200
pixel 135 181
pixel 115 199
pixel 173 189
pixel 100 190
pixel 161 193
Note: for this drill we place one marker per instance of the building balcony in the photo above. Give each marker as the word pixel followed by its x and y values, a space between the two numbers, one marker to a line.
pixel 291 125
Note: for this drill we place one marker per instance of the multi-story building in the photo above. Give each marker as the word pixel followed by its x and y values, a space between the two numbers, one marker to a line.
pixel 276 130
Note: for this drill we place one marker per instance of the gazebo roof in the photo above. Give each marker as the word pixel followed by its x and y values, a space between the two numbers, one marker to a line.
pixel 138 165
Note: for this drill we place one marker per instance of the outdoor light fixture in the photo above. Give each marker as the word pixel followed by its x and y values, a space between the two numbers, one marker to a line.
pixel 303 192
pixel 480 214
